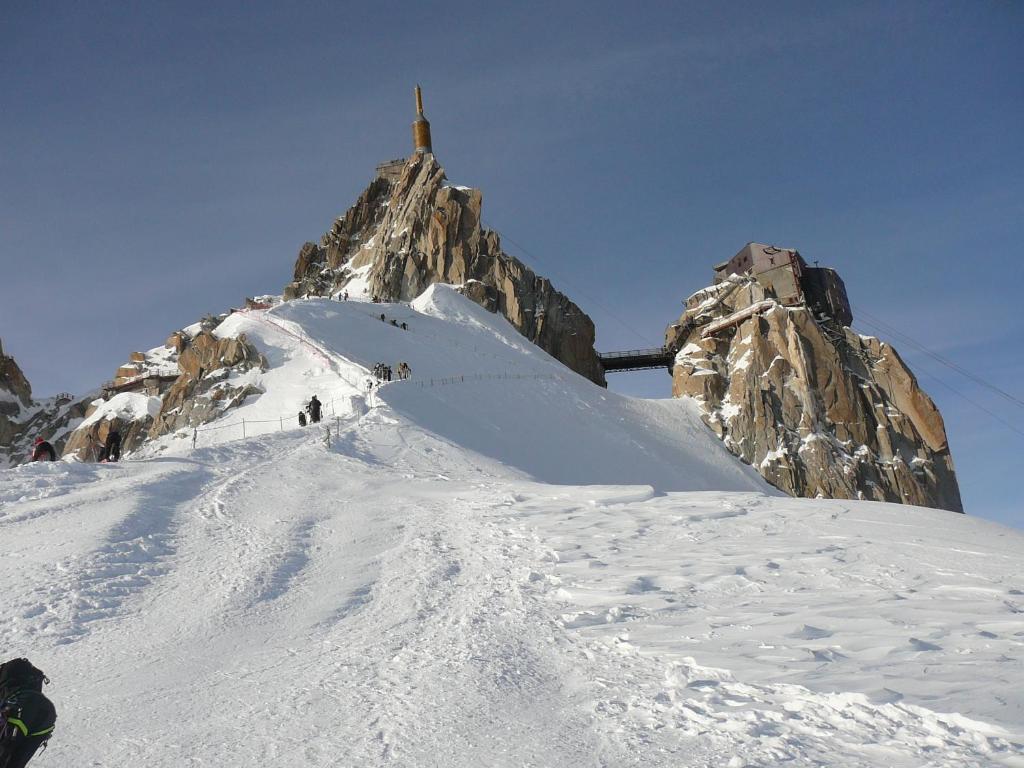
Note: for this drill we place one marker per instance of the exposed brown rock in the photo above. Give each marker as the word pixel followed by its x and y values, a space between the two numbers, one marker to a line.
pixel 177 341
pixel 311 256
pixel 191 376
pixel 86 442
pixel 13 381
pixel 818 410
pixel 203 390
pixel 127 372
pixel 22 418
pixel 419 230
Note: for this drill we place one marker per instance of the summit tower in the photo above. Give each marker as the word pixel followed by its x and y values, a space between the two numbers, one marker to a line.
pixel 420 128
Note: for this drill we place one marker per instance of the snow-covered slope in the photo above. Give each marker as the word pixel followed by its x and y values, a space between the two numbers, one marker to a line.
pixel 496 563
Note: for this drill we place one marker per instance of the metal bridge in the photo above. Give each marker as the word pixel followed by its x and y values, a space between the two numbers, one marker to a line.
pixel 637 359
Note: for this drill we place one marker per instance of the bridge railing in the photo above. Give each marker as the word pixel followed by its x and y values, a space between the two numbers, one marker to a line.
pixel 633 353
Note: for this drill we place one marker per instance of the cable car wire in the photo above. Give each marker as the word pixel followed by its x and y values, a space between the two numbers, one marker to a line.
pixel 887 328
pixel 575 288
pixel 953 389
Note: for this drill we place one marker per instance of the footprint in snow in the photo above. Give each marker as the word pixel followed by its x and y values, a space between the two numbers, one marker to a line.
pixel 641 585
pixel 580 620
pixel 812 633
pixel 827 655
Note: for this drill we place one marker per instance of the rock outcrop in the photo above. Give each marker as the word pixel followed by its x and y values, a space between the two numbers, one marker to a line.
pixel 130 413
pixel 206 386
pixel 23 417
pixel 408 231
pixel 192 379
pixel 15 398
pixel 818 409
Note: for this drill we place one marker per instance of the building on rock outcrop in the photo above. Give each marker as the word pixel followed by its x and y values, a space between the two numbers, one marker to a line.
pixel 784 273
pixel 816 408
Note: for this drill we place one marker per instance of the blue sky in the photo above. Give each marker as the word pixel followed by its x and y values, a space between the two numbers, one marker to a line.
pixel 164 160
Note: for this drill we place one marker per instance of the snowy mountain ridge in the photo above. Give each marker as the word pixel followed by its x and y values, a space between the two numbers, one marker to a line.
pixel 515 569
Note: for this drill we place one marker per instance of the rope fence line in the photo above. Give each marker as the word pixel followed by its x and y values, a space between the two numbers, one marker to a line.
pixel 367 385
pixel 251 427
pixel 440 382
pixel 326 356
pixel 248 425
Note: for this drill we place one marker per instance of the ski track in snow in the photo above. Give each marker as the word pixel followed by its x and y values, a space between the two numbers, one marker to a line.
pixel 496 573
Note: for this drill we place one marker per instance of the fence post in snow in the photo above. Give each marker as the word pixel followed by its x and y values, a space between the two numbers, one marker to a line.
pixel 282 422
pixel 243 427
pixel 195 434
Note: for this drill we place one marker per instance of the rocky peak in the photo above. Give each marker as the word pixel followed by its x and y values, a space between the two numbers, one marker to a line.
pixel 14 387
pixel 411 229
pixel 15 397
pixel 816 408
pixel 23 418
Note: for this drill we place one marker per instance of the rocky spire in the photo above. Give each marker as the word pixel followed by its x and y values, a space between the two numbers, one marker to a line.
pixel 409 230
pixel 12 380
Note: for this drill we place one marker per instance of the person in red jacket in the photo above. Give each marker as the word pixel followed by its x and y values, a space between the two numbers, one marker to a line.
pixel 43 451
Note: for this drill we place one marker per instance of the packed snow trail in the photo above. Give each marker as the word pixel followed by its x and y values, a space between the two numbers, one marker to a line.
pixel 465 578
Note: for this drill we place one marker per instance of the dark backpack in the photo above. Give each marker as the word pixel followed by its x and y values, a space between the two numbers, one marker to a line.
pixel 20 675
pixel 29 715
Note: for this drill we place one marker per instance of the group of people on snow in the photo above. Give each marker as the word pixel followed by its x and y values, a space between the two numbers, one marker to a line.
pixel 107 451
pixel 403 326
pixel 383 372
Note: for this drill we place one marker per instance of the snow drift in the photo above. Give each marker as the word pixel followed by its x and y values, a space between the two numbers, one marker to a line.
pixel 494 563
